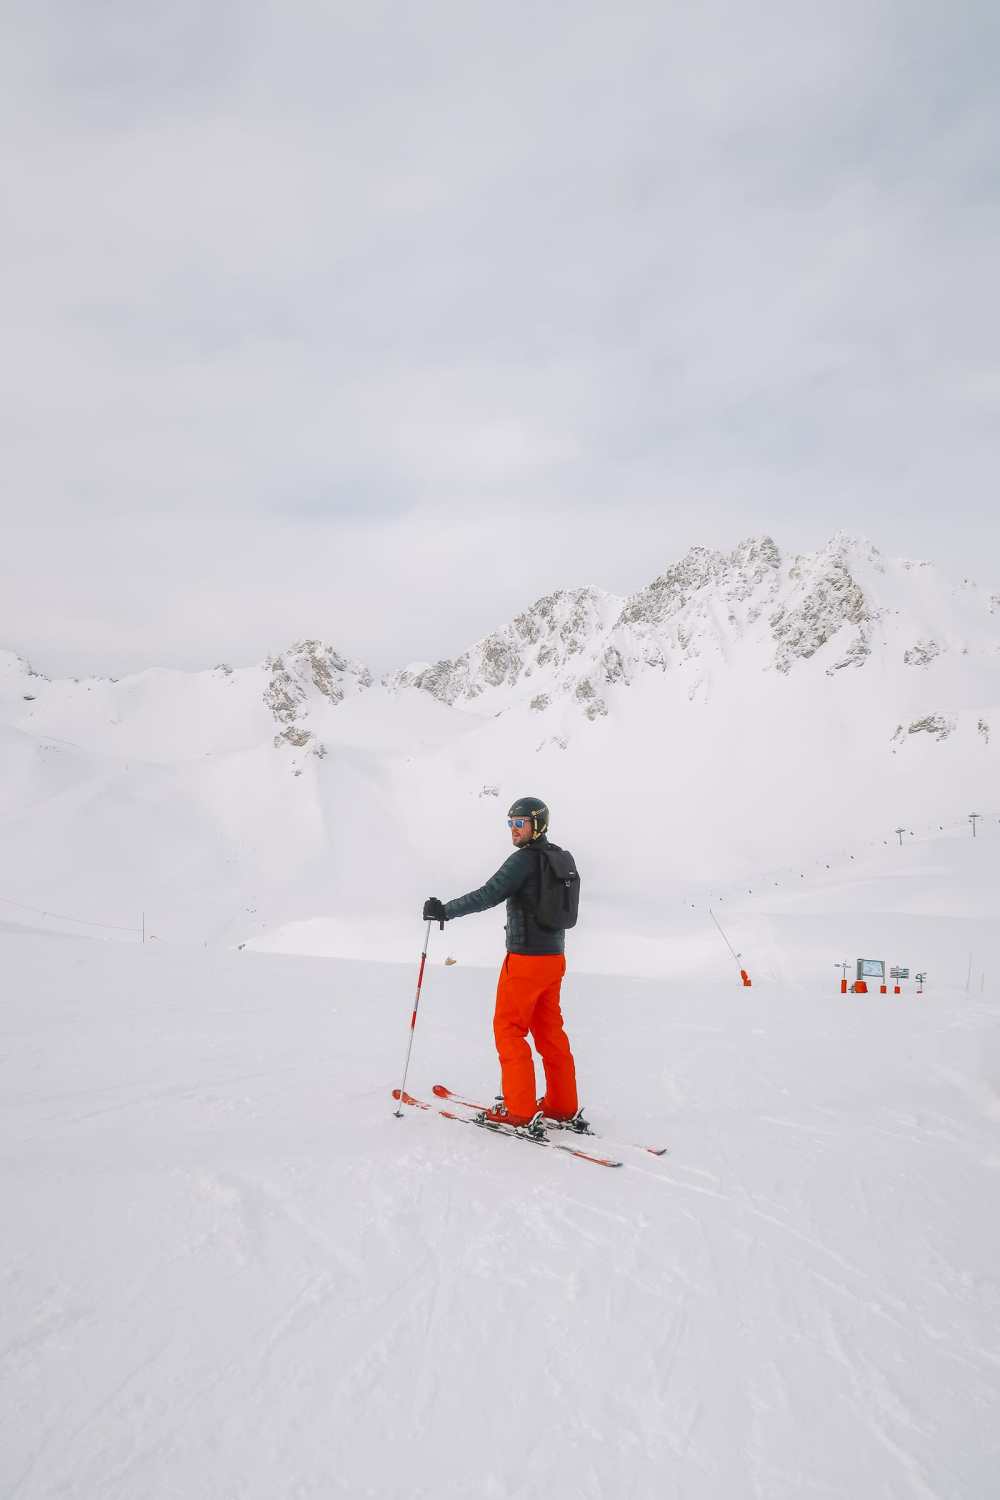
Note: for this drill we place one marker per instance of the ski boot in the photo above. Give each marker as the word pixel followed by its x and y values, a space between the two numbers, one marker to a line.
pixel 532 1125
pixel 576 1122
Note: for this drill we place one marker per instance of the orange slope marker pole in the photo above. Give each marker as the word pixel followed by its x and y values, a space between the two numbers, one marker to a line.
pixel 744 976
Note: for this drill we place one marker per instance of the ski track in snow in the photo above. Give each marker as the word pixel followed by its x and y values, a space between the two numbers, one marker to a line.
pixel 230 1271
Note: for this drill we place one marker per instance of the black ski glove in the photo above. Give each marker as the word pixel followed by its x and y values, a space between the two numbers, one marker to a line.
pixel 434 910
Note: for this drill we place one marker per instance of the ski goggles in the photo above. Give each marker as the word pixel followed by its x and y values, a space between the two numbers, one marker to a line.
pixel 518 822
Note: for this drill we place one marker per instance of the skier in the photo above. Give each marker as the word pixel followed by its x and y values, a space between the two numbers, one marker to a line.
pixel 530 977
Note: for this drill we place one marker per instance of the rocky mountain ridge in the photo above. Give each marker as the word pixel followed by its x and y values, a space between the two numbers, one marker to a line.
pixel 297 675
pixel 753 609
pixel 745 706
pixel 581 646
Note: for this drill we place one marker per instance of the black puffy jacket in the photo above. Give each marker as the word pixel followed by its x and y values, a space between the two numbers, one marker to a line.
pixel 517 882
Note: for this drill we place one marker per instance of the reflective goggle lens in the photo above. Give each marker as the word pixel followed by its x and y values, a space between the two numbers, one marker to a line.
pixel 517 822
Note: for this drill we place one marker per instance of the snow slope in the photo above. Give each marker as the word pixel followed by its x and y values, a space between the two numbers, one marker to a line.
pixel 228 1270
pixel 745 712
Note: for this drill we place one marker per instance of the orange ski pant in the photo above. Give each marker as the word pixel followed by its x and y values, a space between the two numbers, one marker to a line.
pixel 528 1001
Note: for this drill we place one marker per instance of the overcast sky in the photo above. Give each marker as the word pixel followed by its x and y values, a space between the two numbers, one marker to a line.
pixel 375 321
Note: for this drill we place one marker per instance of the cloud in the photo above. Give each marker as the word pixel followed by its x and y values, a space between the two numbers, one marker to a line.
pixel 315 303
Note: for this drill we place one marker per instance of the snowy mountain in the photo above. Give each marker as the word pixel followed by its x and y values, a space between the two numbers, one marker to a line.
pixel 845 603
pixel 274 1287
pixel 751 609
pixel 309 672
pixel 742 712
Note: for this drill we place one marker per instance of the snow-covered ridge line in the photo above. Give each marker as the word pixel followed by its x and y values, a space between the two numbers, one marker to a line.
pixel 842 604
pixel 743 712
pixel 752 609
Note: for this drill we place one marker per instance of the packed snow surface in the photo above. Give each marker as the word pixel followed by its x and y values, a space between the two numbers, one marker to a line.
pixel 230 1271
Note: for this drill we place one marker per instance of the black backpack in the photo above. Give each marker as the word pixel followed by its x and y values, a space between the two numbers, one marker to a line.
pixel 558 888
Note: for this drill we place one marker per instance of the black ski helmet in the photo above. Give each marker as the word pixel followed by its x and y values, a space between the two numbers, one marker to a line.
pixel 533 808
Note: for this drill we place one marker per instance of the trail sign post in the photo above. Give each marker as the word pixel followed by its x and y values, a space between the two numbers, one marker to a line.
pixel 869 968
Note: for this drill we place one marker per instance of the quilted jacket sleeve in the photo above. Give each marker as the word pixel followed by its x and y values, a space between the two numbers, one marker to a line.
pixel 510 877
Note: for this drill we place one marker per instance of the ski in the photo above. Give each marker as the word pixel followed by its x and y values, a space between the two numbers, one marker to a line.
pixel 512 1130
pixel 550 1124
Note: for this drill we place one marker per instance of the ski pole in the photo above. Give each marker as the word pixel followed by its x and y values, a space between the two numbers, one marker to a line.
pixel 413 1020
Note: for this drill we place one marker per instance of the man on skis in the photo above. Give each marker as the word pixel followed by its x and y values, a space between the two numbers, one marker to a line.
pixel 530 977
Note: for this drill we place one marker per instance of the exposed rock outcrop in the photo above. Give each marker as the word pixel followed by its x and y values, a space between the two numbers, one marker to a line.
pixel 307 673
